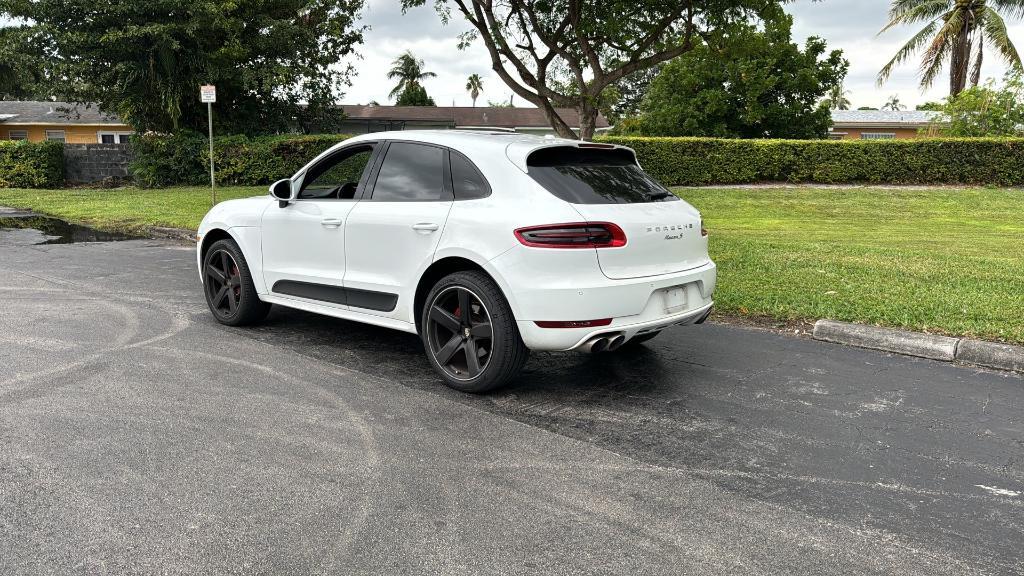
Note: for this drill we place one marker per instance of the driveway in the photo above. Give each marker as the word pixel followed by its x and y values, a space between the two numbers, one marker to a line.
pixel 139 436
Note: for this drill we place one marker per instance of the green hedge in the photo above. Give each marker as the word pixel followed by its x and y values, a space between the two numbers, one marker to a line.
pixel 182 159
pixel 702 161
pixel 31 164
pixel 239 160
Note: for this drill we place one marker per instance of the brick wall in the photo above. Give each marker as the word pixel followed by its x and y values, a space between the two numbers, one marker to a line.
pixel 85 163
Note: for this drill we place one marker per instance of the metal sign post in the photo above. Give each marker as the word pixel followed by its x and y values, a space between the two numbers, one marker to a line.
pixel 208 94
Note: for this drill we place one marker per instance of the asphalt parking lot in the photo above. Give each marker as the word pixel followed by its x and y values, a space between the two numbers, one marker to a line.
pixel 139 436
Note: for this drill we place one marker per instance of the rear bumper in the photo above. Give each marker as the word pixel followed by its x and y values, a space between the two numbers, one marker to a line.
pixel 636 306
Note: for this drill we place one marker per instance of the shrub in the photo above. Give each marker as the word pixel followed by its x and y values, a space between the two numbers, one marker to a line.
pixel 31 164
pixel 159 160
pixel 703 161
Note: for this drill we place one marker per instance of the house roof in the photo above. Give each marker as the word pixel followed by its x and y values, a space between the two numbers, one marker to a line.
pixel 34 112
pixel 894 118
pixel 484 116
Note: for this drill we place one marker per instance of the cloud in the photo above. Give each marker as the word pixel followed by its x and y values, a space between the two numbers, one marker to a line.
pixel 421 31
pixel 853 26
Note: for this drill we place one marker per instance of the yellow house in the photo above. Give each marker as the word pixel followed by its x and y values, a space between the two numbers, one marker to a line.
pixel 62 121
pixel 883 124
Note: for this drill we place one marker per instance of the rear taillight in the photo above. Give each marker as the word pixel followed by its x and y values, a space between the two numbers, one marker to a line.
pixel 573 235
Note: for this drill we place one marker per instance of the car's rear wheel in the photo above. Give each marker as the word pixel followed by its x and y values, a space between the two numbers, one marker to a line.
pixel 638 340
pixel 227 282
pixel 470 334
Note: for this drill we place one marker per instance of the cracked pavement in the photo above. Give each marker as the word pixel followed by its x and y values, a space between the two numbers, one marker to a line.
pixel 139 436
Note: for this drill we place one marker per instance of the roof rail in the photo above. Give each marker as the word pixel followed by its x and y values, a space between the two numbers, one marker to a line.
pixel 484 129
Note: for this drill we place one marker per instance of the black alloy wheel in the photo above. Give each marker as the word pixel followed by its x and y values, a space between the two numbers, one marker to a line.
pixel 223 283
pixel 459 333
pixel 228 286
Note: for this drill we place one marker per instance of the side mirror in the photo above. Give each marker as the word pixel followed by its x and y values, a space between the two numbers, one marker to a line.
pixel 282 190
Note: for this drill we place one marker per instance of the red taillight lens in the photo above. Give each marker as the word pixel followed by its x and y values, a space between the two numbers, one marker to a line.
pixel 573 235
pixel 572 323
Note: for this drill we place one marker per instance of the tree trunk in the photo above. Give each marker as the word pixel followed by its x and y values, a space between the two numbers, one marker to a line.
pixel 588 121
pixel 556 122
pixel 960 60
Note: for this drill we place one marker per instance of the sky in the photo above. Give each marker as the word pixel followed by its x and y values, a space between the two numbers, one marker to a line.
pixel 849 25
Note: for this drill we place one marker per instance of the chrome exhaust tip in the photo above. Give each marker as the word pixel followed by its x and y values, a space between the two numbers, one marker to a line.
pixel 595 344
pixel 616 342
pixel 603 343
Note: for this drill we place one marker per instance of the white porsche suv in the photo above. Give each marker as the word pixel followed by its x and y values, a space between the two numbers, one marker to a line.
pixel 487 245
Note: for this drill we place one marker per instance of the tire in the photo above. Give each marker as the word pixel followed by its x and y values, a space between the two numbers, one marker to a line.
pixel 451 337
pixel 638 340
pixel 227 284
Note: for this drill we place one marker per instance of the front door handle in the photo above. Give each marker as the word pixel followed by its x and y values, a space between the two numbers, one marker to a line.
pixel 331 222
pixel 425 227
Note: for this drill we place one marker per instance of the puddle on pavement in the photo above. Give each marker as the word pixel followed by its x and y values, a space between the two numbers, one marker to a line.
pixel 26 229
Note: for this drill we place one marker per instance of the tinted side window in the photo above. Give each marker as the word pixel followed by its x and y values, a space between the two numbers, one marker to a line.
pixel 587 176
pixel 337 177
pixel 468 182
pixel 410 173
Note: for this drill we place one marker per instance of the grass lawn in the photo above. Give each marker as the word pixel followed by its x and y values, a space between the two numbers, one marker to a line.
pixel 942 260
pixel 125 209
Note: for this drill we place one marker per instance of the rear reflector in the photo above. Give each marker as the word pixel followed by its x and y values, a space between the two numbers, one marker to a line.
pixel 572 323
pixel 573 235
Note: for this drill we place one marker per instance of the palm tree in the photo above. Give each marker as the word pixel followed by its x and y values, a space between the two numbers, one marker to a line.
pixel 957 31
pixel 409 71
pixel 475 85
pixel 838 98
pixel 893 104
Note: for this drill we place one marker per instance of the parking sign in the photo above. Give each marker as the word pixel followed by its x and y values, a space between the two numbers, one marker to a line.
pixel 207 94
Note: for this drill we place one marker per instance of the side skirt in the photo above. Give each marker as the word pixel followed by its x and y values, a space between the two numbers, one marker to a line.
pixel 335 312
pixel 366 299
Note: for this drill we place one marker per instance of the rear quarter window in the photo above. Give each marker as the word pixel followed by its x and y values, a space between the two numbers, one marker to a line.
pixel 467 181
pixel 594 176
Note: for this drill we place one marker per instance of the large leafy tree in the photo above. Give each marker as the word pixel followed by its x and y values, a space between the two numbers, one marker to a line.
pixel 754 83
pixel 556 53
pixel 21 66
pixel 414 95
pixel 146 60
pixel 955 33
pixel 986 110
pixel 408 70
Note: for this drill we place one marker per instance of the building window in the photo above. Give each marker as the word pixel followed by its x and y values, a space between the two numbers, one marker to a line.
pixel 18 135
pixel 56 135
pixel 877 136
pixel 838 135
pixel 113 137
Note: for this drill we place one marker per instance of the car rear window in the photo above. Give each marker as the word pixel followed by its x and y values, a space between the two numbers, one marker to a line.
pixel 594 176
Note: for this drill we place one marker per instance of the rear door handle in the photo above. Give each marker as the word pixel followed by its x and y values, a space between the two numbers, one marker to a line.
pixel 331 222
pixel 425 227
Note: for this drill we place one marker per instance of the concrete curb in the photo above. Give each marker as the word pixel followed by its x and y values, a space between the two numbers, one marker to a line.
pixel 179 234
pixel 945 348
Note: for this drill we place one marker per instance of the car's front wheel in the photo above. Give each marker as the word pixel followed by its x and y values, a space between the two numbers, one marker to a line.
pixel 470 334
pixel 227 282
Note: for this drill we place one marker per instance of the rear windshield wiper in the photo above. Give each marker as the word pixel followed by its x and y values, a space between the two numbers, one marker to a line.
pixel 659 196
